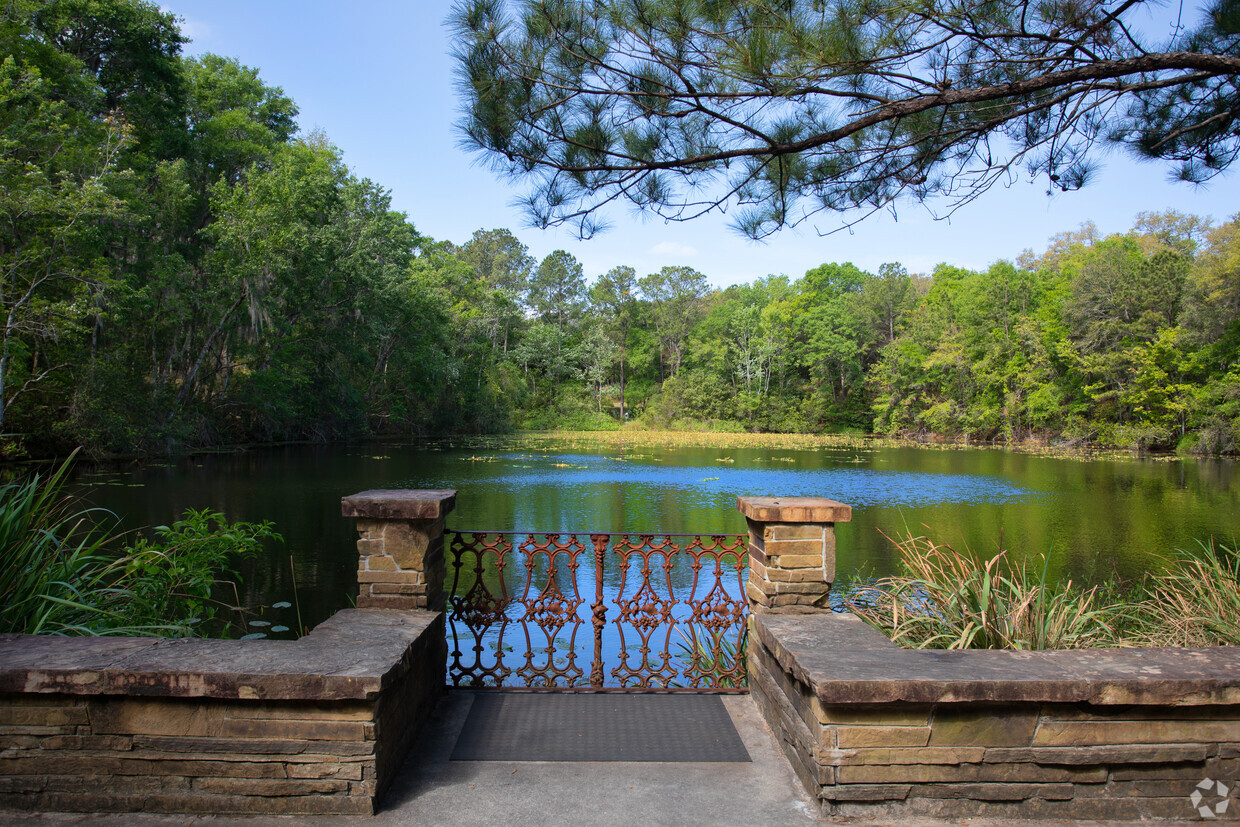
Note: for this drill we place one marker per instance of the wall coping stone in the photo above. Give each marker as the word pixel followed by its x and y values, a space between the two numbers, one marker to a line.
pixel 354 655
pixel 845 661
pixel 794 510
pixel 399 504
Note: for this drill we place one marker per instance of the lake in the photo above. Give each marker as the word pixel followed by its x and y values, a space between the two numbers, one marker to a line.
pixel 1099 519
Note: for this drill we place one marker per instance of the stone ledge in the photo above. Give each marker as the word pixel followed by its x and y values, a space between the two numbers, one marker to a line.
pixel 354 655
pixel 793 510
pixel 846 662
pixel 398 504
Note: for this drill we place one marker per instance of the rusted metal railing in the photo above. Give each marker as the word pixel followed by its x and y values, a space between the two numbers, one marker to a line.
pixel 668 612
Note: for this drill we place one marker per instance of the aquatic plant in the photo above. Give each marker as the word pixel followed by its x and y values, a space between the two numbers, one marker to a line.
pixel 952 600
pixel 1195 601
pixel 712 659
pixel 63 570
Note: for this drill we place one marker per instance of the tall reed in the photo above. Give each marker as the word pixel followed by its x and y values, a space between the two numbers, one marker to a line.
pixel 952 600
pixel 1195 601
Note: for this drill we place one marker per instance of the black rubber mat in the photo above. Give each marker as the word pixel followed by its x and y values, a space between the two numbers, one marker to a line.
pixel 554 726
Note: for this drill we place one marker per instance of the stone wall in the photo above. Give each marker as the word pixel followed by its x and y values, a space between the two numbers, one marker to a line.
pixel 315 725
pixel 400 547
pixel 875 730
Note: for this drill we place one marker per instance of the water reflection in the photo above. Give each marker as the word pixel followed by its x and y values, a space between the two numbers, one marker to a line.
pixel 1098 519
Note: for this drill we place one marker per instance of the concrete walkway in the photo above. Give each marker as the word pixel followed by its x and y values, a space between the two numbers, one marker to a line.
pixel 433 790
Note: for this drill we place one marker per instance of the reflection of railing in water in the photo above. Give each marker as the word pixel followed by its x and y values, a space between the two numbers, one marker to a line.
pixel 677 601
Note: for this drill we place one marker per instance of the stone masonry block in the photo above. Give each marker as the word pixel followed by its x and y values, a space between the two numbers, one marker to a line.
pixel 42 715
pixel 391 601
pixel 906 755
pixel 986 726
pixel 389 577
pixel 866 792
pixel 814 587
pixel 379 563
pixel 1088 733
pixel 399 504
pixel 397 588
pixel 882 736
pixel 307 730
pixel 949 773
pixel 793 531
pixel 1137 754
pixel 793 510
pixel 808 600
pixel 780 548
pixel 406 542
pixel 878 715
pixel 756 594
pixel 795 561
pixel 777 575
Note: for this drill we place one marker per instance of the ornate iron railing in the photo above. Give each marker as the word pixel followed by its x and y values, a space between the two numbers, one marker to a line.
pixel 668 611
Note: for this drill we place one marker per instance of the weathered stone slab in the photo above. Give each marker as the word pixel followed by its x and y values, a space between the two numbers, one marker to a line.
pixel 901 755
pixel 955 773
pixel 794 510
pixel 984 725
pixel 353 655
pixel 866 792
pixel 1090 733
pixel 399 504
pixel 881 736
pixel 1075 754
pixel 847 662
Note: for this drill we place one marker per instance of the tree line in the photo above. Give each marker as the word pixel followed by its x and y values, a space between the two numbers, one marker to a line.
pixel 181 267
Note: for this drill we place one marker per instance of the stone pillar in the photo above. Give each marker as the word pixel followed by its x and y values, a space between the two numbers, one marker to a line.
pixel 400 543
pixel 791 550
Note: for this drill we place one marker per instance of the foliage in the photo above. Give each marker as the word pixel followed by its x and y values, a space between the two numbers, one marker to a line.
pixel 63 574
pixel 951 600
pixel 169 580
pixel 785 110
pixel 712 658
pixel 1195 601
pixel 180 267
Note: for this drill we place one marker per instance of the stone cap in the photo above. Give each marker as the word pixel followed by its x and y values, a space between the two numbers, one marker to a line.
pixel 353 655
pixel 398 504
pixel 844 661
pixel 794 510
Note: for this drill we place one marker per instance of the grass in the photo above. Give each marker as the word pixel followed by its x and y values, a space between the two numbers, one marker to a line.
pixel 634 435
pixel 64 571
pixel 946 599
pixel 1195 601
pixel 950 600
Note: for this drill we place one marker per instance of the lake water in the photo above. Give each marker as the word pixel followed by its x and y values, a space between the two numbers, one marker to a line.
pixel 1099 519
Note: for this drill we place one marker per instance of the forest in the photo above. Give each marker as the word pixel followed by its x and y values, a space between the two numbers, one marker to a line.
pixel 182 267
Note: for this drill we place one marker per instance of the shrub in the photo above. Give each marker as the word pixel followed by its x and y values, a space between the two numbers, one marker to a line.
pixel 62 571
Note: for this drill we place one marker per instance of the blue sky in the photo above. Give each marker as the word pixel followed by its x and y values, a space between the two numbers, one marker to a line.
pixel 376 78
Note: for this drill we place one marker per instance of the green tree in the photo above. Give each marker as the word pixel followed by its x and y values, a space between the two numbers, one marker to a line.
pixel 59 171
pixel 614 298
pixel 675 295
pixel 783 110
pixel 130 50
pixel 557 290
pixel 504 264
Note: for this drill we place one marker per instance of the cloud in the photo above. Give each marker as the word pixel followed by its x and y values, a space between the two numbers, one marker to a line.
pixel 673 249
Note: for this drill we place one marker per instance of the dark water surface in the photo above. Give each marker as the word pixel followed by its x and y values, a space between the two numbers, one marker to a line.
pixel 1099 519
